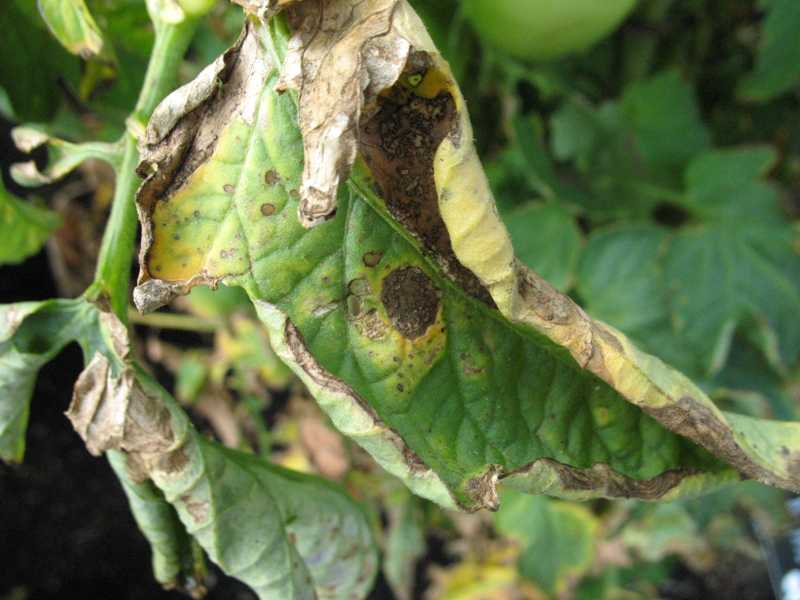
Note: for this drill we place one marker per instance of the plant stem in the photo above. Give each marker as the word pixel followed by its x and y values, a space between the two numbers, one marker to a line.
pixel 119 240
pixel 164 320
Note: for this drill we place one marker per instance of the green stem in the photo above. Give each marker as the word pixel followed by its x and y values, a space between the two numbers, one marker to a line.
pixel 112 278
pixel 164 320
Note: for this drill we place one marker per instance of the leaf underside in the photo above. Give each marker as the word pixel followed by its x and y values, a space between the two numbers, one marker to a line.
pixel 452 371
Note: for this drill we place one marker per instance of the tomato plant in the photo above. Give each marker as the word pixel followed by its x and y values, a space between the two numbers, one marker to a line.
pixel 345 335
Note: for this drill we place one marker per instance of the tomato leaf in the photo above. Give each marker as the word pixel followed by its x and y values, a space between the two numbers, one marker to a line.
pixel 73 25
pixel 403 308
pixel 25 227
pixel 558 539
pixel 777 67
pixel 546 239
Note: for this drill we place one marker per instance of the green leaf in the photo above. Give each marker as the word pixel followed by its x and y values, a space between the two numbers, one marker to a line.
pixel 284 534
pixel 621 281
pixel 663 530
pixel 540 171
pixel 405 543
pixel 33 63
pixel 72 24
pixel 720 275
pixel 659 107
pixel 558 538
pixel 682 296
pixel 546 239
pixel 728 185
pixel 455 366
pixel 159 523
pixel 25 227
pixel 627 149
pixel 777 67
pixel 31 334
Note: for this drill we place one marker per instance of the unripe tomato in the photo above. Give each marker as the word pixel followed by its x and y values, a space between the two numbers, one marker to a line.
pixel 545 29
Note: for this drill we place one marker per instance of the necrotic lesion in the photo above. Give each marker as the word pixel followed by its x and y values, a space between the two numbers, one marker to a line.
pixel 398 143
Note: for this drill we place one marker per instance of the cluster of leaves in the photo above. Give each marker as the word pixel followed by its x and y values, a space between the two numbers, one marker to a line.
pixel 649 179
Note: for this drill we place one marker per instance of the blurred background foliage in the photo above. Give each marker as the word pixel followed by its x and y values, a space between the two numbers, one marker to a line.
pixel 647 162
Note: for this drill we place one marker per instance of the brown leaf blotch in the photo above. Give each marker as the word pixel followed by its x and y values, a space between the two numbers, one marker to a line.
pixel 271 177
pixel 371 259
pixel 398 144
pixel 411 301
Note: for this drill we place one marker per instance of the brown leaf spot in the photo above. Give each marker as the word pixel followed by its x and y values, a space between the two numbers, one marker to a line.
pixel 271 177
pixel 371 259
pixel 411 301
pixel 267 209
pixel 197 508
pixel 483 489
pixel 228 188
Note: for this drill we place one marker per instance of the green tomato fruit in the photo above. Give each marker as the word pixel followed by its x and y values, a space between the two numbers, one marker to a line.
pixel 545 29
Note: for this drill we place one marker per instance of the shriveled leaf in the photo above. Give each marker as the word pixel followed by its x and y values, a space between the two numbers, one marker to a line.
pixel 558 539
pixel 63 156
pixel 286 535
pixel 547 240
pixel 73 25
pixel 25 227
pixel 406 313
pixel 777 67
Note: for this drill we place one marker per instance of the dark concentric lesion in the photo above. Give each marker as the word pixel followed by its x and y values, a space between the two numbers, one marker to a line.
pixel 398 143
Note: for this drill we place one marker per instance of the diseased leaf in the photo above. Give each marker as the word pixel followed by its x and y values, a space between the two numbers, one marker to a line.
pixel 63 156
pixel 284 534
pixel 406 313
pixel 72 24
pixel 777 67
pixel 25 227
pixel 558 539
